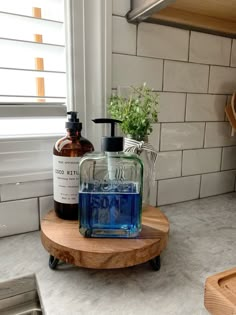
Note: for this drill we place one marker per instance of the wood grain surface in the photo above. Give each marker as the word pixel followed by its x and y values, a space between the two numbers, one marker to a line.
pixel 220 293
pixel 175 16
pixel 214 16
pixel 63 240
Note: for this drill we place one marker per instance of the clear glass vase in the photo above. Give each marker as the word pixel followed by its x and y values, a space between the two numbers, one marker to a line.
pixel 147 176
pixel 148 164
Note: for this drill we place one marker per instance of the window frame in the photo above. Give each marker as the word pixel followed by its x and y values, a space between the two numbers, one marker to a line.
pixel 88 77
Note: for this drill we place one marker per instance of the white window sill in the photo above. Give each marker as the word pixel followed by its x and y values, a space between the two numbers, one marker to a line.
pixel 31 137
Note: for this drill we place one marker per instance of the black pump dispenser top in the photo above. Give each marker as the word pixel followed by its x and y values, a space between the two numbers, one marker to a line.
pixel 112 143
pixel 73 121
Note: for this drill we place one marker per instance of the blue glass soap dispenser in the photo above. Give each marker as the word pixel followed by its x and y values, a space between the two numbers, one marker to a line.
pixel 110 193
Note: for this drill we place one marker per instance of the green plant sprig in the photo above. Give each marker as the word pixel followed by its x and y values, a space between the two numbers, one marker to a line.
pixel 137 112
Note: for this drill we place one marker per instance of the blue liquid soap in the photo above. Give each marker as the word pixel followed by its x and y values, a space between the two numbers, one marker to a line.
pixel 110 210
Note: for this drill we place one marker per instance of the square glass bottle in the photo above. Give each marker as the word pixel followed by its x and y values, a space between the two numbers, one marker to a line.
pixel 110 193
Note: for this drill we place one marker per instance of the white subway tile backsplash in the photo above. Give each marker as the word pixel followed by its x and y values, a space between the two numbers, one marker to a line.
pixel 177 136
pixel 203 107
pixel 127 42
pixel 45 204
pixel 168 164
pixel 132 70
pixel 217 183
pixel 26 190
pixel 178 189
pixel 120 7
pixel 154 137
pixel 209 49
pixel 229 158
pixel 222 80
pixel 218 134
pixel 201 161
pixel 18 217
pixel 185 77
pixel 233 54
pixel 171 107
pixel 162 42
pixel 25 162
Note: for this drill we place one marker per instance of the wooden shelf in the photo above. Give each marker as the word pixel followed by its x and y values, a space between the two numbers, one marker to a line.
pixel 213 16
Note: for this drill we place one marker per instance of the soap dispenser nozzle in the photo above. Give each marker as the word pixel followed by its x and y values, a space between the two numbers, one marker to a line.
pixel 72 116
pixel 73 121
pixel 110 143
pixel 107 121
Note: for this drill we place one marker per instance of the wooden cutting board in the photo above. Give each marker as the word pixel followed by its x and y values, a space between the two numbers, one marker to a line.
pixel 220 293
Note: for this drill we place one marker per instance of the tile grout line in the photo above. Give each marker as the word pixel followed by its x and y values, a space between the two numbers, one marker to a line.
pixel 38 203
pixel 193 121
pixel 160 137
pixel 188 200
pixel 178 61
pixel 197 174
pixel 221 159
pixel 200 185
pixel 209 75
pixel 234 182
pixel 198 148
pixel 189 38
pixel 185 109
pixel 163 71
pixel 25 198
pixel 204 136
pixel 157 192
pixel 231 51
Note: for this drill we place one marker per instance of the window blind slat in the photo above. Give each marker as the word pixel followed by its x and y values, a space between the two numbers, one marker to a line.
pixel 13 82
pixel 32 70
pixel 31 42
pixel 23 55
pixel 30 17
pixel 19 27
pixel 32 110
pixel 51 9
pixel 29 100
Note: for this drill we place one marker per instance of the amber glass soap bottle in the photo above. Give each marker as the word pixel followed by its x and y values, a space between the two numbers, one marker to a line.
pixel 67 153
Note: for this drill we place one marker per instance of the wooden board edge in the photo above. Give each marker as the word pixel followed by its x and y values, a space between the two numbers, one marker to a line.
pixel 189 20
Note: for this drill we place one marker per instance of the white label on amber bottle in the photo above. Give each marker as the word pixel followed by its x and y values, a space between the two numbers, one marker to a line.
pixel 66 179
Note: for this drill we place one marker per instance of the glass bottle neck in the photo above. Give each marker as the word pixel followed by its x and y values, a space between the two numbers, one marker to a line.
pixel 73 133
pixel 113 153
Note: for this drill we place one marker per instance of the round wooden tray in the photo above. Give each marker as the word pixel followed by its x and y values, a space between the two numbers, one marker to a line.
pixel 63 241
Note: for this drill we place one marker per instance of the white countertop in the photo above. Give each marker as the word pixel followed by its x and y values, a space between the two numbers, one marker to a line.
pixel 202 242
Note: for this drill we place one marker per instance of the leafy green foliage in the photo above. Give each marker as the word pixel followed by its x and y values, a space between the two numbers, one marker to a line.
pixel 137 112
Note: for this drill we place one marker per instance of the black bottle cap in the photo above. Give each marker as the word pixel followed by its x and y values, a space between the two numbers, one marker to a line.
pixel 112 143
pixel 73 121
